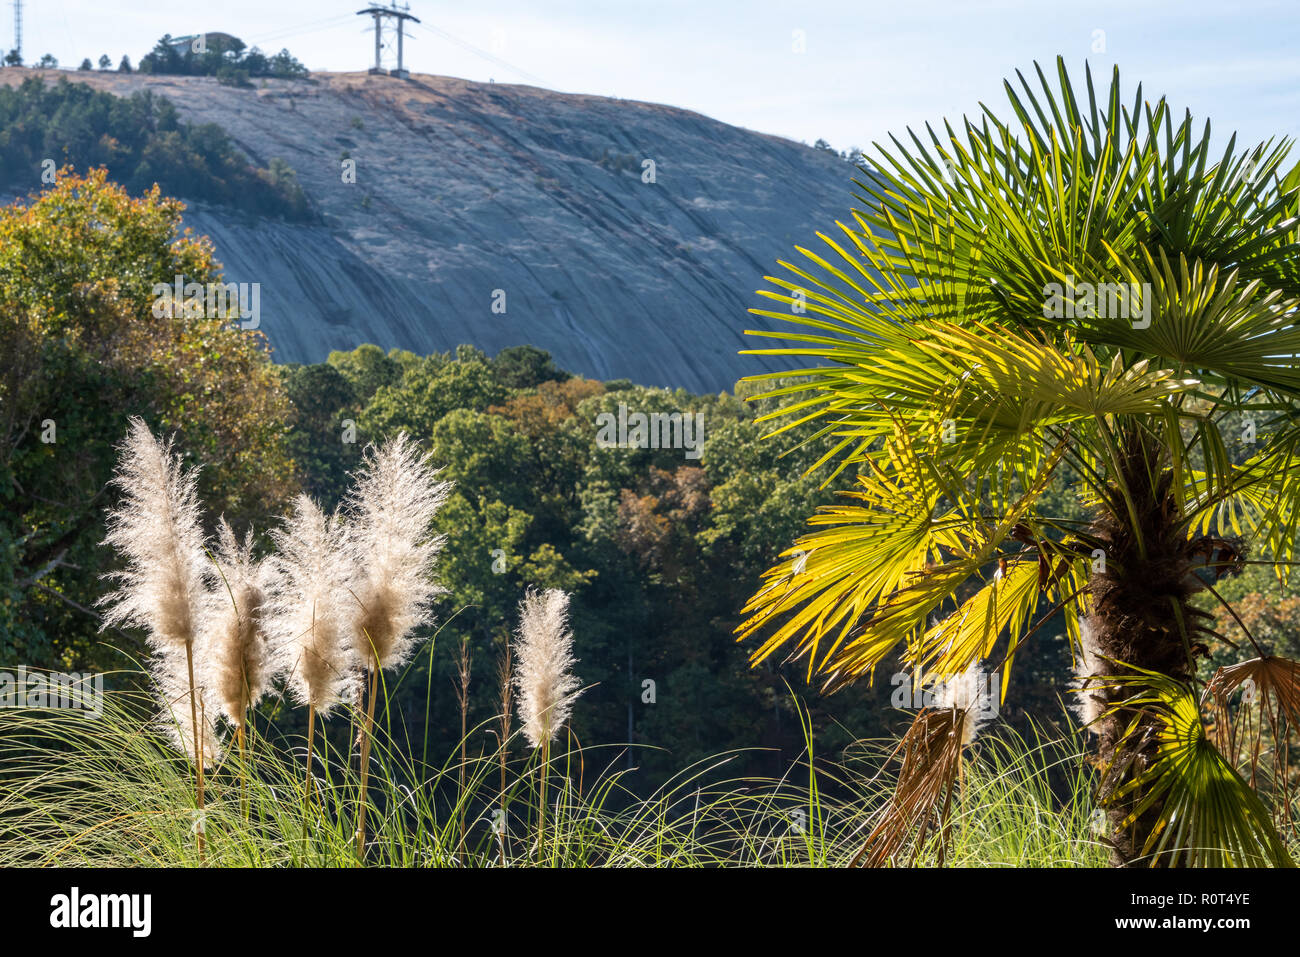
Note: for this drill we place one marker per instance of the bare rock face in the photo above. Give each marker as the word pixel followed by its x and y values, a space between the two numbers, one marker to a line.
pixel 626 238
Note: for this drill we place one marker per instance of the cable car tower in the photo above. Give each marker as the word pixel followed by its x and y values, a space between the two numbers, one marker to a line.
pixel 391 18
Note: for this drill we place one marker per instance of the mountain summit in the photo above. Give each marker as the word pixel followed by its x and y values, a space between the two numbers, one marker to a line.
pixel 624 237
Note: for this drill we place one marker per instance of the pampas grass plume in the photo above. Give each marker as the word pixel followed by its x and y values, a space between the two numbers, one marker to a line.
pixel 176 720
pixel 235 655
pixel 390 509
pixel 156 528
pixel 967 695
pixel 307 610
pixel 543 662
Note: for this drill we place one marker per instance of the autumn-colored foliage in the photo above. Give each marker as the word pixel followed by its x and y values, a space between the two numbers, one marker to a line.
pixel 81 350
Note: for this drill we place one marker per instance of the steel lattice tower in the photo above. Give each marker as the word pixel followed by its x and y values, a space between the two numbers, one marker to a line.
pixel 382 14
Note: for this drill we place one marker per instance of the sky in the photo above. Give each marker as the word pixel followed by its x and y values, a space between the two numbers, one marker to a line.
pixel 848 72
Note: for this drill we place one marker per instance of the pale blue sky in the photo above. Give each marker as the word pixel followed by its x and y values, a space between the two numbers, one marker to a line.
pixel 869 68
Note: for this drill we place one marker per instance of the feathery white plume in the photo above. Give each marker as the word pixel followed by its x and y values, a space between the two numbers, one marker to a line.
pixel 234 655
pixel 543 659
pixel 156 528
pixel 307 609
pixel 176 720
pixel 1088 702
pixel 970 695
pixel 390 510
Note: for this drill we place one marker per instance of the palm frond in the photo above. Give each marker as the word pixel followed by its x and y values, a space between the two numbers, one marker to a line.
pixel 869 551
pixel 1206 814
pixel 931 756
pixel 1207 323
pixel 969 635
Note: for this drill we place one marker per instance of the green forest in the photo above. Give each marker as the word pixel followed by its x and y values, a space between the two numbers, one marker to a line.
pixel 141 141
pixel 659 550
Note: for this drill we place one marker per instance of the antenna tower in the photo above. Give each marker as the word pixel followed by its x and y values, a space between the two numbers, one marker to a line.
pixel 394 18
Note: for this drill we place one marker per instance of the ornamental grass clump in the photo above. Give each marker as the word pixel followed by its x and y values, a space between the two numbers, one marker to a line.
pixel 162 587
pixel 388 541
pixel 341 600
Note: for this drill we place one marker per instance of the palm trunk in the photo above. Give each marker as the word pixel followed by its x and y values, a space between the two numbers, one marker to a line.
pixel 1140 615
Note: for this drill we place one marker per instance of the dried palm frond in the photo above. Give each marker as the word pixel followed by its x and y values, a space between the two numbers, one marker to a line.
pixel 1271 687
pixel 1272 678
pixel 931 752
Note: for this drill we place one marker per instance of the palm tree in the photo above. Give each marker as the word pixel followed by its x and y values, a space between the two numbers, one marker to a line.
pixel 1085 298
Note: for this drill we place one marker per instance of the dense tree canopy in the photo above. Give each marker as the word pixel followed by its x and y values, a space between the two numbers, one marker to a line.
pixel 141 141
pixel 81 351
pixel 227 58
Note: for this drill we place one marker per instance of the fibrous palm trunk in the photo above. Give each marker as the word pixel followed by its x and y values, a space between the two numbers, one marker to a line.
pixel 1140 615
